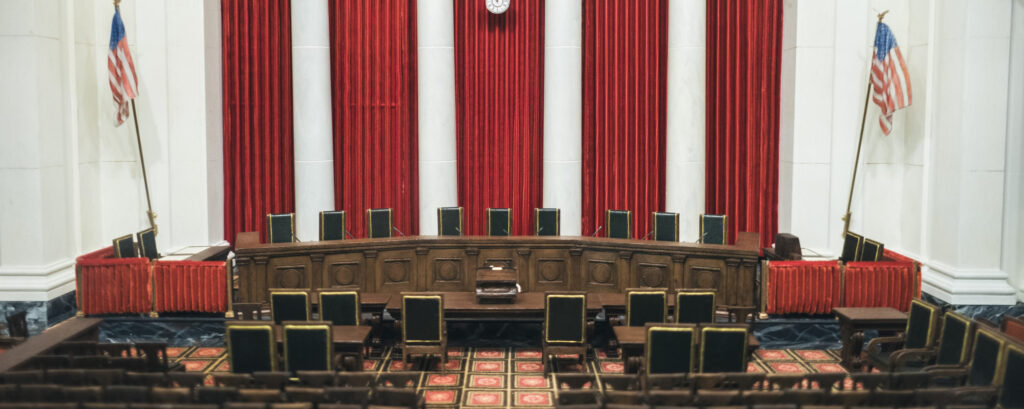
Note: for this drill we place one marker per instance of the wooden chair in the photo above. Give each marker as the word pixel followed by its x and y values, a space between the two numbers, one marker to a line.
pixel 423 327
pixel 670 348
pixel 354 379
pixel 954 346
pixel 665 226
pixel 1011 373
pixel 644 305
pixel 332 225
pixel 714 229
pixel 723 348
pixel 316 379
pixel 695 306
pixel 340 307
pixel 216 394
pixel 251 347
pixel 280 227
pixel 618 224
pixel 565 325
pixel 289 305
pixel 918 337
pixel 352 395
pixel 378 223
pixel 114 349
pixel 304 394
pixel 308 346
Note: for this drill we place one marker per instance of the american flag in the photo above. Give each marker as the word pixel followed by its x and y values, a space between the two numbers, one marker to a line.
pixel 891 83
pixel 123 83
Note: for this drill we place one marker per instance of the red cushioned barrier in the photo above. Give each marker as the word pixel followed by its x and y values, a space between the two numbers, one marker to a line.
pixel 190 286
pixel 892 282
pixel 108 285
pixel 804 287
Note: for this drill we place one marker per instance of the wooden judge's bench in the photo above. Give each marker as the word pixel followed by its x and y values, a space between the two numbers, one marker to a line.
pixel 543 263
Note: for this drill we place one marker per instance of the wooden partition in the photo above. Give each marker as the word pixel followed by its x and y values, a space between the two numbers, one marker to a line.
pixel 434 263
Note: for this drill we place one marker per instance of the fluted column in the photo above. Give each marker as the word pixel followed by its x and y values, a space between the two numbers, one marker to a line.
pixel 436 64
pixel 311 105
pixel 563 107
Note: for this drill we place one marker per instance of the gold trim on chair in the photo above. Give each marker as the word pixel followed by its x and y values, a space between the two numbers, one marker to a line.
pixel 583 315
pixel 878 248
pixel 966 341
pixel 508 219
pixel 142 243
pixel 996 336
pixel 1004 356
pixel 270 225
pixel 654 220
pixel 715 328
pixel 117 245
pixel 320 297
pixel 691 328
pixel 309 313
pixel 933 316
pixel 329 342
pixel 440 318
pixel 663 292
pixel 536 220
pixel 714 301
pixel 860 245
pixel 271 342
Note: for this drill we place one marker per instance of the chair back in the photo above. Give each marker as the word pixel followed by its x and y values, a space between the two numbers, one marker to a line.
pixel 251 347
pixel 124 247
pixel 289 305
pixel 565 318
pixel 449 221
pixel 618 224
pixel 871 250
pixel 280 227
pixel 17 325
pixel 547 221
pixel 921 322
pixel 723 348
pixel 665 226
pixel 340 307
pixel 378 223
pixel 714 229
pixel 987 353
pixel 955 342
pixel 332 225
pixel 645 305
pixel 670 348
pixel 422 318
pixel 695 306
pixel 852 245
pixel 308 346
pixel 147 243
pixel 499 222
pixel 1011 372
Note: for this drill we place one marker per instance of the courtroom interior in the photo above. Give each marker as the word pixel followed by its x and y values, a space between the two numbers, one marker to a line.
pixel 433 204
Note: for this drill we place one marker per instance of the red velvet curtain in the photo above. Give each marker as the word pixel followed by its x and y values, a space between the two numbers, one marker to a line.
pixel 625 50
pixel 803 287
pixel 190 286
pixel 108 285
pixel 499 116
pixel 744 48
pixel 258 158
pixel 373 77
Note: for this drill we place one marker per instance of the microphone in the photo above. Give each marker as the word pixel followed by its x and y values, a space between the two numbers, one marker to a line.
pixel 458 230
pixel 648 235
pixel 596 231
pixel 349 234
pixel 396 229
pixel 506 231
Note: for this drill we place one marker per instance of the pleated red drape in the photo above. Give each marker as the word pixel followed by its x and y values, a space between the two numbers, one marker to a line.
pixel 190 286
pixel 373 77
pixel 258 158
pixel 499 114
pixel 803 287
pixel 108 285
pixel 744 48
pixel 625 50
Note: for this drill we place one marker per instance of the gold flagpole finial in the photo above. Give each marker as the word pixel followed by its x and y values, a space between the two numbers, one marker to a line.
pixel 880 15
pixel 117 4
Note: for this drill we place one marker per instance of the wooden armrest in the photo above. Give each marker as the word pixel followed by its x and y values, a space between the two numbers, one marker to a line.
pixel 875 345
pixel 901 357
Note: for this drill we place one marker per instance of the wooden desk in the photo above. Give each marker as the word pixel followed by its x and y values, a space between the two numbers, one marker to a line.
pixel 854 321
pixel 74 329
pixel 633 341
pixel 349 340
pixel 464 306
pixel 448 263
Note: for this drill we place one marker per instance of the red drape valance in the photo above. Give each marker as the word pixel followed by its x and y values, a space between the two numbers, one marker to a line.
pixel 499 116
pixel 744 48
pixel 258 158
pixel 625 46
pixel 373 78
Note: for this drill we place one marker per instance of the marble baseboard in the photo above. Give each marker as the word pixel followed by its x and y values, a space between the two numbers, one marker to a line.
pixel 992 313
pixel 41 314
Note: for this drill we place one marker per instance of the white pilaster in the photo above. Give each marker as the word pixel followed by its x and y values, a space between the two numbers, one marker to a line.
pixel 563 108
pixel 438 180
pixel 685 151
pixel 311 105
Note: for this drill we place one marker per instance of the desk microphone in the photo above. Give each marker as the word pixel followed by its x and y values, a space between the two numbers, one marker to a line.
pixel 349 234
pixel 597 231
pixel 648 235
pixel 396 229
pixel 458 230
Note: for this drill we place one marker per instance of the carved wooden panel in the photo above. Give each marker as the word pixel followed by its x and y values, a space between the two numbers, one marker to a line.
pixel 601 271
pixel 396 271
pixel 650 270
pixel 549 271
pixel 344 270
pixel 289 272
pixel 447 270
pixel 498 256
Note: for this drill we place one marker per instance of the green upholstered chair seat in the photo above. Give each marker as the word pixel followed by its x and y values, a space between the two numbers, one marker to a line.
pixel 670 349
pixel 147 244
pixel 124 247
pixel 307 347
pixel 714 229
pixel 281 228
pixel 332 225
pixel 723 349
pixel 988 348
pixel 547 221
pixel 1012 371
pixel 422 319
pixel 340 307
pixel 289 306
pixel 565 318
pixel 499 222
pixel 953 343
pixel 449 221
pixel 643 306
pixel 665 226
pixel 251 348
pixel 378 223
pixel 695 307
pixel 619 224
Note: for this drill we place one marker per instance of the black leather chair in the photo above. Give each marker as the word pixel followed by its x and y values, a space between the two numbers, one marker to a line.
pixel 871 251
pixel 280 227
pixel 670 348
pixel 499 222
pixel 449 221
pixel 852 245
pixel 147 243
pixel 1011 373
pixel 423 326
pixel 645 305
pixel 987 354
pixel 695 306
pixel 714 229
pixel 919 335
pixel 308 346
pixel 251 347
pixel 547 221
pixel 665 226
pixel 332 225
pixel 565 325
pixel 124 247
pixel 378 223
pixel 723 348
pixel 619 224
pixel 340 307
pixel 289 305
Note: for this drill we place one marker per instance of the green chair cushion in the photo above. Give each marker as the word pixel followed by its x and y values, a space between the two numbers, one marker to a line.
pixel 547 222
pixel 1013 397
pixel 666 226
pixel 619 224
pixel 670 350
pixel 499 222
pixel 307 349
pixel 695 308
pixel 645 307
pixel 449 221
pixel 952 342
pixel 280 228
pixel 714 228
pixel 147 244
pixel 340 308
pixel 332 225
pixel 919 326
pixel 289 307
pixel 723 351
pixel 983 363
pixel 566 319
pixel 378 223
pixel 251 349
pixel 422 320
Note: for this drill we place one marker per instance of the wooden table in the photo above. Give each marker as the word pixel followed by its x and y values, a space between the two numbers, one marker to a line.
pixel 74 329
pixel 464 306
pixel 348 340
pixel 854 321
pixel 633 341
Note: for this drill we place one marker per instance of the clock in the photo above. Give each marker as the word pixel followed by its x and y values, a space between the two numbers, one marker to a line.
pixel 497 6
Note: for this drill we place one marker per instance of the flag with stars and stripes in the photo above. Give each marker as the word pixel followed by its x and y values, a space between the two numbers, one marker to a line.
pixel 889 78
pixel 123 83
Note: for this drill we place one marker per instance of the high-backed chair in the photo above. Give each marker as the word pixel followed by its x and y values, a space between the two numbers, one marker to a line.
pixel 670 348
pixel 723 348
pixel 124 247
pixel 378 223
pixel 852 245
pixel 871 250
pixel 308 346
pixel 332 225
pixel 954 346
pixel 665 226
pixel 919 334
pixel 339 307
pixel 714 229
pixel 1011 372
pixel 289 305
pixel 547 221
pixel 565 325
pixel 618 224
pixel 147 243
pixel 423 326
pixel 280 227
pixel 499 222
pixel 251 347
pixel 695 306
pixel 986 355
pixel 645 305
pixel 449 221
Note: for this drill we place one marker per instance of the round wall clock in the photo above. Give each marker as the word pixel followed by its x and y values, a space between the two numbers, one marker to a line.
pixel 497 6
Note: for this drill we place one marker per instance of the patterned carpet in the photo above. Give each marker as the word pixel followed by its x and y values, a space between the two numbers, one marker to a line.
pixel 507 377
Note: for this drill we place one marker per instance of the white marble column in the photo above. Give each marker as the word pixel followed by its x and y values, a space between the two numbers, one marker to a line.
pixel 684 170
pixel 563 110
pixel 438 175
pixel 311 105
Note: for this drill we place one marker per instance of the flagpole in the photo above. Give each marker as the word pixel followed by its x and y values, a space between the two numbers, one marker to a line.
pixel 860 141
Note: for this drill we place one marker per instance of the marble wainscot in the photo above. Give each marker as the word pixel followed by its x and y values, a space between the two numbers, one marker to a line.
pixel 41 314
pixel 992 313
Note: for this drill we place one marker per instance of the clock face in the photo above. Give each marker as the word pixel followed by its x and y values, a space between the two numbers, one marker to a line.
pixel 497 6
